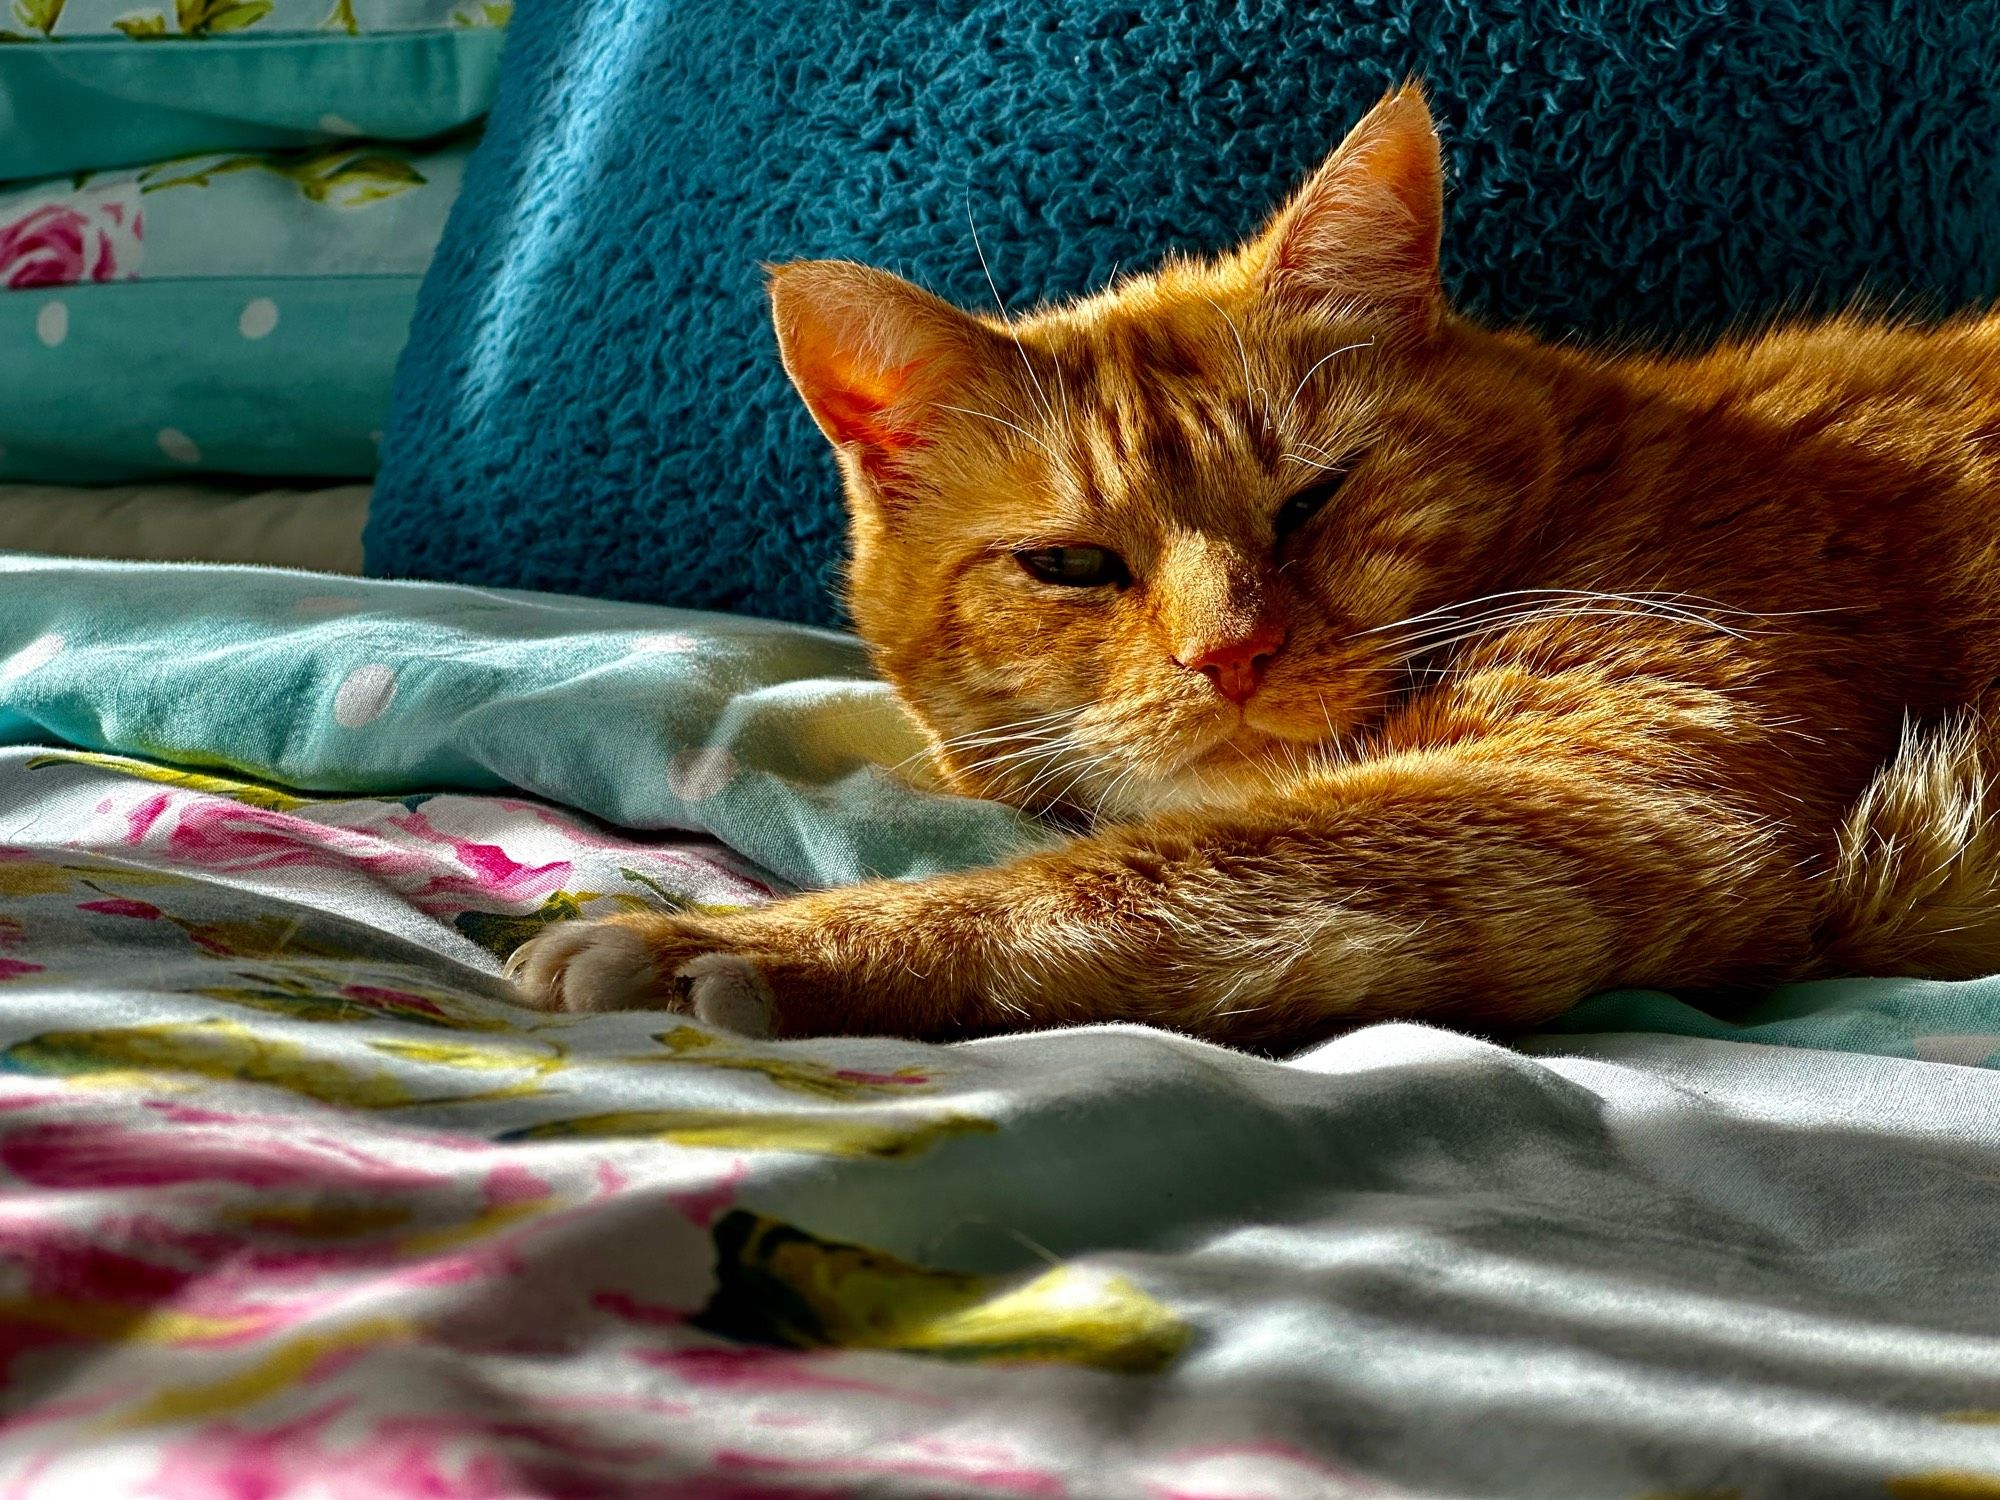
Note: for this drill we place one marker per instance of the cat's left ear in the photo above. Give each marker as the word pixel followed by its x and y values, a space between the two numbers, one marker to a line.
pixel 873 357
pixel 1360 239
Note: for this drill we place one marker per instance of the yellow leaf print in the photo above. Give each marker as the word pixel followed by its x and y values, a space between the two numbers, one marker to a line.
pixel 33 878
pixel 688 1044
pixel 222 1050
pixel 1075 1315
pixel 230 1052
pixel 216 17
pixel 236 17
pixel 250 793
pixel 274 1374
pixel 128 876
pixel 451 1236
pixel 321 1220
pixel 839 1134
pixel 538 1066
pixel 1945 1484
pixel 261 937
pixel 454 1055
pixel 316 992
pixel 123 1323
pixel 40 15
pixel 777 1284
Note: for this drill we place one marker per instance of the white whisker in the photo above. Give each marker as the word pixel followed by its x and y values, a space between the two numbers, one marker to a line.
pixel 1300 387
pixel 1019 348
pixel 1016 426
pixel 1250 387
pixel 1527 603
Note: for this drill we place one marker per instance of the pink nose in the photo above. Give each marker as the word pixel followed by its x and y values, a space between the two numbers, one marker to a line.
pixel 1236 667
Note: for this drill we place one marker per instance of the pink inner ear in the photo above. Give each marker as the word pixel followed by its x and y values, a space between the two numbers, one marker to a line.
pixel 1365 230
pixel 855 408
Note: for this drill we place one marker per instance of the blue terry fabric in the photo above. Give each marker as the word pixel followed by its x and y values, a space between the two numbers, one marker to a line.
pixel 590 399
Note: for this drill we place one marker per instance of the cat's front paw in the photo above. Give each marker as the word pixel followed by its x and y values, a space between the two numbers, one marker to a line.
pixel 644 963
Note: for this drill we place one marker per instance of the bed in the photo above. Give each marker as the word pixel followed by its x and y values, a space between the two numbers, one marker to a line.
pixel 295 1201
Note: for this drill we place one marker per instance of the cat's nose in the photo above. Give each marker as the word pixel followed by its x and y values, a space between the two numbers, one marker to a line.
pixel 1237 666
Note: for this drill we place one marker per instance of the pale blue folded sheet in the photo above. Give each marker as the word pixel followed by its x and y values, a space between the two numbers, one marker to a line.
pixel 775 738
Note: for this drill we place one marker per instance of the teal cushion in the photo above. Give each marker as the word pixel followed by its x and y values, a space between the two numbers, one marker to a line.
pixel 106 83
pixel 235 313
pixel 593 355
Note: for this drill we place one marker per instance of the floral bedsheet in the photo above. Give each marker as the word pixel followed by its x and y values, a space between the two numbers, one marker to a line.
pixel 294 1202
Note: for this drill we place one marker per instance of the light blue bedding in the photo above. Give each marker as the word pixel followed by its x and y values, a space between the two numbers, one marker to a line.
pixel 772 737
pixel 296 1203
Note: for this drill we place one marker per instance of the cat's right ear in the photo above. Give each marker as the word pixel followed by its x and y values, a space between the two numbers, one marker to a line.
pixel 873 356
pixel 1360 239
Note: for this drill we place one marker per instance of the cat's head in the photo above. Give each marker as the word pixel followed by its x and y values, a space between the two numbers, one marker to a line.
pixel 1138 551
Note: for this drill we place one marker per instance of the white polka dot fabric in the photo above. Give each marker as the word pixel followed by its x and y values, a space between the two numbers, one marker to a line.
pixel 230 313
pixel 363 695
pixel 774 738
pixel 52 323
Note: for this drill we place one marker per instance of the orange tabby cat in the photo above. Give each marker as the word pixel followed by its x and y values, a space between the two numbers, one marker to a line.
pixel 1402 667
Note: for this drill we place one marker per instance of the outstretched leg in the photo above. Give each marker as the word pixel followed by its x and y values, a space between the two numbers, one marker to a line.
pixel 1477 884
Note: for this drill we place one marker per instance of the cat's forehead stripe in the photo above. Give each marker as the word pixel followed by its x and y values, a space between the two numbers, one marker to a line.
pixel 1142 408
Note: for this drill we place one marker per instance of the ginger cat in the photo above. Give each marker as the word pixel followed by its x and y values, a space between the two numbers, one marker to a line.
pixel 1397 667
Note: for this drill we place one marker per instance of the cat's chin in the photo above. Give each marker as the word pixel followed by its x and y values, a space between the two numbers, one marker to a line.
pixel 1234 770
pixel 1191 791
pixel 1266 729
pixel 1300 719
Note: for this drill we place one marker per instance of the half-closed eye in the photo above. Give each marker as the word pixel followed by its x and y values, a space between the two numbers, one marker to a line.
pixel 1302 506
pixel 1075 567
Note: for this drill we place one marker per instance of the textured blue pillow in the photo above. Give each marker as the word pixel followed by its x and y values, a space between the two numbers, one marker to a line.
pixel 591 399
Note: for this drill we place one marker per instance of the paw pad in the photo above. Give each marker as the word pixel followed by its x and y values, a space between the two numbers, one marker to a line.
pixel 728 991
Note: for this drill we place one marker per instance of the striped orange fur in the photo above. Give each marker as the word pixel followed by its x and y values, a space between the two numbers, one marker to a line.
pixel 1387 664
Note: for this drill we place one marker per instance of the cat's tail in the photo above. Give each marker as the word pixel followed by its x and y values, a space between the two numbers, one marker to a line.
pixel 1915 888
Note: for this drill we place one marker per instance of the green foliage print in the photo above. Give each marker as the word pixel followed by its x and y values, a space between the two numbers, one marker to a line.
pixel 338 176
pixel 191 18
pixel 38 15
pixel 218 17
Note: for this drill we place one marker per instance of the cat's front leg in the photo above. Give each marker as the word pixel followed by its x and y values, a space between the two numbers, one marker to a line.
pixel 1455 886
pixel 938 958
pixel 1223 932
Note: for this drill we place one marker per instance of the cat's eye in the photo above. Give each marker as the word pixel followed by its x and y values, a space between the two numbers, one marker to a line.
pixel 1307 503
pixel 1075 567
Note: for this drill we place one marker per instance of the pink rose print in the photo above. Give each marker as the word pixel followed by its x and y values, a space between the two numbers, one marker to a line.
pixel 93 235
